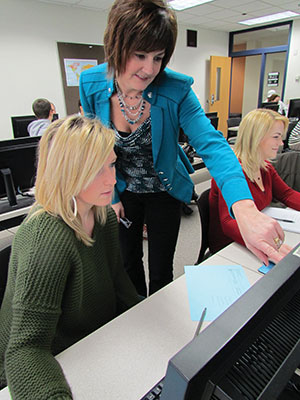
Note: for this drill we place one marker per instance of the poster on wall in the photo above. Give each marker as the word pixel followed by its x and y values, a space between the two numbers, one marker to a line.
pixel 74 67
pixel 273 78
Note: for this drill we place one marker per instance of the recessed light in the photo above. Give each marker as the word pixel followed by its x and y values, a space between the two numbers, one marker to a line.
pixel 269 18
pixel 183 4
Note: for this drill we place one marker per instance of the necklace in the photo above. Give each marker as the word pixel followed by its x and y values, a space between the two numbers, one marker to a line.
pixel 130 111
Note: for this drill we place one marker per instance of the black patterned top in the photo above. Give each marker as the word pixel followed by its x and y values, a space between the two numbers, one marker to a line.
pixel 135 159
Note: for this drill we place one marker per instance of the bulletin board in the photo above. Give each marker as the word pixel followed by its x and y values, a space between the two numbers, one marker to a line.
pixel 74 58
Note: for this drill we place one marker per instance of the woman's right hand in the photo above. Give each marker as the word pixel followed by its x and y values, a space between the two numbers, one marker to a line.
pixel 119 210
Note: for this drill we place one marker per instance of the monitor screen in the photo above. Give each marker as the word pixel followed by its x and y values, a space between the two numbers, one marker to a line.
pixel 213 116
pixel 270 105
pixel 20 124
pixel 294 108
pixel 250 351
pixel 19 156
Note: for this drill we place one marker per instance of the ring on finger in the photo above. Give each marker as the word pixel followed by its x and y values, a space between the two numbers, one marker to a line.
pixel 278 242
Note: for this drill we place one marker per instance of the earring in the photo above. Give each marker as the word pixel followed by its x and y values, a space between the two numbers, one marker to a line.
pixel 75 206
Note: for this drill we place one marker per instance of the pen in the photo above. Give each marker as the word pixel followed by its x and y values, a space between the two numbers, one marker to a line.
pixel 200 322
pixel 284 220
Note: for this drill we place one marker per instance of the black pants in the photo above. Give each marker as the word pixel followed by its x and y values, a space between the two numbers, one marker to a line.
pixel 161 213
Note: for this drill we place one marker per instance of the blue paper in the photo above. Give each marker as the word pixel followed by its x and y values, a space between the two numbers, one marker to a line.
pixel 215 287
pixel 266 268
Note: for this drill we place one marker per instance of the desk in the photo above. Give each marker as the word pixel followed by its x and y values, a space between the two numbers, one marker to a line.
pixel 14 217
pixel 248 260
pixel 129 355
pixel 234 128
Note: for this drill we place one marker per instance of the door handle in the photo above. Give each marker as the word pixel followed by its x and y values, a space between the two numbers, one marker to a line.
pixel 212 99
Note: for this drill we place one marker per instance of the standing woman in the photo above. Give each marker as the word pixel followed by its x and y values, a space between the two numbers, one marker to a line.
pixel 146 104
pixel 65 276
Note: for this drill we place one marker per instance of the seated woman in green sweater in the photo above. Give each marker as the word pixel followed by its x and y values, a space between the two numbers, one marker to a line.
pixel 65 277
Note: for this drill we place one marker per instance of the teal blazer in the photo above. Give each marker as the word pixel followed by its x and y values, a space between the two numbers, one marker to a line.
pixel 173 105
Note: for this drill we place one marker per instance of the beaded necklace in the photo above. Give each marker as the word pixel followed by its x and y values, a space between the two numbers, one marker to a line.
pixel 128 111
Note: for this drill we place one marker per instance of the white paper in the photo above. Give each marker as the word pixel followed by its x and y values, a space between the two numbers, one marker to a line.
pixel 282 215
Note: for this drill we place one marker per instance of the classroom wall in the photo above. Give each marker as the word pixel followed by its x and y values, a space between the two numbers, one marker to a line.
pixel 292 87
pixel 29 68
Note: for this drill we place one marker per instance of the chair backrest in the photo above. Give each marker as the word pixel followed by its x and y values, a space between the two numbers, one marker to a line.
pixel 230 123
pixel 288 167
pixel 288 133
pixel 235 121
pixel 4 261
pixel 237 115
pixel 203 206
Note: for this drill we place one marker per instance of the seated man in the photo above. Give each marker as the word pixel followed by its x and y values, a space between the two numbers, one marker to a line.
pixel 282 107
pixel 44 111
pixel 294 139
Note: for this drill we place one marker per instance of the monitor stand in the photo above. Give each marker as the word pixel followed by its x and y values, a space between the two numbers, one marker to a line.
pixel 9 186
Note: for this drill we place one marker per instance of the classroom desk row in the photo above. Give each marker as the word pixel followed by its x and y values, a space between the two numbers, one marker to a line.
pixel 129 355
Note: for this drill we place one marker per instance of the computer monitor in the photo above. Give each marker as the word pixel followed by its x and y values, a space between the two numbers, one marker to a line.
pixel 214 119
pixel 211 114
pixel 20 124
pixel 294 108
pixel 250 351
pixel 271 105
pixel 18 159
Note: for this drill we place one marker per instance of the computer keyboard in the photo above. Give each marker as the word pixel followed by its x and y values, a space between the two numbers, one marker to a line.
pixel 155 392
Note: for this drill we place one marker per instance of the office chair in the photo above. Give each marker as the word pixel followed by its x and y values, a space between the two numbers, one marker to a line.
pixel 203 207
pixel 4 260
pixel 231 135
pixel 287 165
pixel 291 126
pixel 235 115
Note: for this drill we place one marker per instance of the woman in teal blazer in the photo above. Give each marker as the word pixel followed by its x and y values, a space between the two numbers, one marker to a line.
pixel 146 104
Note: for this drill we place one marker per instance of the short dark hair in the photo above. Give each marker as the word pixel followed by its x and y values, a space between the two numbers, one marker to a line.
pixel 273 97
pixel 41 108
pixel 138 25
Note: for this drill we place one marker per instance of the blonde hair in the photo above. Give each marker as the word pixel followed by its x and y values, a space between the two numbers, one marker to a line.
pixel 71 153
pixel 253 128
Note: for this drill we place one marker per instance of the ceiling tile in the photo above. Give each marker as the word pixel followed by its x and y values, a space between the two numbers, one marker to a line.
pixel 225 14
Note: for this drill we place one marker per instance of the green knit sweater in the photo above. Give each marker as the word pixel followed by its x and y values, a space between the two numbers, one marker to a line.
pixel 58 291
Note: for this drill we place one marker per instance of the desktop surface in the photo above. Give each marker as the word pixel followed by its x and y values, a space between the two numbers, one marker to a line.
pixel 22 202
pixel 129 355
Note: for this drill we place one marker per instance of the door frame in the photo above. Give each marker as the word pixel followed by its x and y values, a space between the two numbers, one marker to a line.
pixel 263 51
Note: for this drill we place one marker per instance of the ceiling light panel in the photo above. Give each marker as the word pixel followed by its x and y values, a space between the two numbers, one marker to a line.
pixel 269 18
pixel 184 4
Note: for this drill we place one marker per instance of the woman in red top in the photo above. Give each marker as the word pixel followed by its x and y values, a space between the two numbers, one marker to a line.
pixel 259 138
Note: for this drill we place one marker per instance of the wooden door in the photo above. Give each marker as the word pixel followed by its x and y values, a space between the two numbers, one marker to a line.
pixel 219 88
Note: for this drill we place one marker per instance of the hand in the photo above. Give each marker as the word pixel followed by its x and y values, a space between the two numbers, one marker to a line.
pixel 258 231
pixel 119 210
pixel 284 250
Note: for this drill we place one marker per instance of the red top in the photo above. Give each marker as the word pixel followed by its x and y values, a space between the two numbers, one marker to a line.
pixel 223 229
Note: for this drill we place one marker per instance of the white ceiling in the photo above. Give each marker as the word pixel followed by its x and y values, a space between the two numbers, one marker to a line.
pixel 220 15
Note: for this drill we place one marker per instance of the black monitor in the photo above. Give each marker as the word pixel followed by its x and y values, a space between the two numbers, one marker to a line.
pixel 271 105
pixel 214 119
pixel 20 124
pixel 294 108
pixel 211 114
pixel 250 351
pixel 17 166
